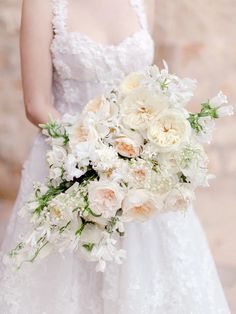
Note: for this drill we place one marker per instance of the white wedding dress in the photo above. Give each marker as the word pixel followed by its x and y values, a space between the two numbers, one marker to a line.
pixel 169 269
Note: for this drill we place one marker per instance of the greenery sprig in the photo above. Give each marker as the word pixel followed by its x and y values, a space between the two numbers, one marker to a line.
pixel 206 111
pixel 55 130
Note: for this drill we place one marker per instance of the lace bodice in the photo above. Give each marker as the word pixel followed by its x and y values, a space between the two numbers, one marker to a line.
pixel 84 69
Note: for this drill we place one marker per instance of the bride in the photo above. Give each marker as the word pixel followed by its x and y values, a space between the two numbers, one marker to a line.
pixel 72 51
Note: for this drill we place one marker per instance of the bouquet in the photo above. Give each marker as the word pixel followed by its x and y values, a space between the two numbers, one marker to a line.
pixel 133 153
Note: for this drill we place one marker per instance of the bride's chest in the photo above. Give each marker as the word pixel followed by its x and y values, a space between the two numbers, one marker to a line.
pixel 75 56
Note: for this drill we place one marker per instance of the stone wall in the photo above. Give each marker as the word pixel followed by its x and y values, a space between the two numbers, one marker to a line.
pixel 197 39
pixel 15 131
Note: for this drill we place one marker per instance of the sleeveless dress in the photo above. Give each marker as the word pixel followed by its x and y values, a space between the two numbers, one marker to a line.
pixel 168 270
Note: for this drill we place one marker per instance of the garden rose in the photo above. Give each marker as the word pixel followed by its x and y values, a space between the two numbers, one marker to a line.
pixel 168 130
pixel 105 197
pixel 139 107
pixel 131 82
pixel 139 205
pixel 179 198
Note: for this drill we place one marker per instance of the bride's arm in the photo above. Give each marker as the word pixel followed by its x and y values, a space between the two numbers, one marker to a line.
pixel 36 63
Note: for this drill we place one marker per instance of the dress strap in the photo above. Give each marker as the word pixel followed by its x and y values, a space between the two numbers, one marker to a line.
pixel 59 9
pixel 138 6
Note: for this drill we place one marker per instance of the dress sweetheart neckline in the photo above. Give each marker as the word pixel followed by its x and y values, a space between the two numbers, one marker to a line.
pixel 88 39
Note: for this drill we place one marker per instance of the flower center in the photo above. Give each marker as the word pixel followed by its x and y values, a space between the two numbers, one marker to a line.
pixel 127 148
pixel 143 210
pixel 109 195
pixel 81 133
pixel 55 211
pixel 140 173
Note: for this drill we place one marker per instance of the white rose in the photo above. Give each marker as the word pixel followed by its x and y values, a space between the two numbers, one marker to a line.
pixel 83 130
pixel 102 107
pixel 179 198
pixel 168 131
pixel 105 197
pixel 139 107
pixel 126 147
pixel 139 205
pixel 93 105
pixel 131 82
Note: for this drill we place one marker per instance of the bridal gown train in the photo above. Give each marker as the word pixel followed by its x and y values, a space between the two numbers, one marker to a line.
pixel 169 269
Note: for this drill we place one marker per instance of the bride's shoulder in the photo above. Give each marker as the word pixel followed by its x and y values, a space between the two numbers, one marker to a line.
pixel 37 12
pixel 38 7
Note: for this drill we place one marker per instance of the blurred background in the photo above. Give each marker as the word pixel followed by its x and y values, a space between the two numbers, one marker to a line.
pixel 197 39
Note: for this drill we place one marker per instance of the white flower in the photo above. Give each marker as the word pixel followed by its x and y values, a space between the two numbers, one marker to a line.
pixel 179 198
pixel 208 126
pixel 193 162
pixel 106 251
pixel 181 91
pixel 91 234
pixel 104 108
pixel 83 131
pixel 119 172
pixel 84 153
pixel 70 167
pixel 140 205
pixel 100 221
pixel 218 100
pixel 129 146
pixel 105 197
pixel 93 105
pixel 139 107
pixel 127 143
pixel 104 158
pixel 55 175
pixel 141 174
pixel 225 111
pixel 168 131
pixel 131 82
pixel 56 156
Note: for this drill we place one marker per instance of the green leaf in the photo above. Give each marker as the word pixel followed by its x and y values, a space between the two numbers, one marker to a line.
pixel 89 246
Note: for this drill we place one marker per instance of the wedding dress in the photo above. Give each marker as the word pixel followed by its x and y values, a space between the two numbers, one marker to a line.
pixel 168 270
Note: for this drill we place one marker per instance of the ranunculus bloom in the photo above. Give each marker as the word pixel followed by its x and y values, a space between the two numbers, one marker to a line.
pixel 105 197
pixel 139 205
pixel 168 130
pixel 139 107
